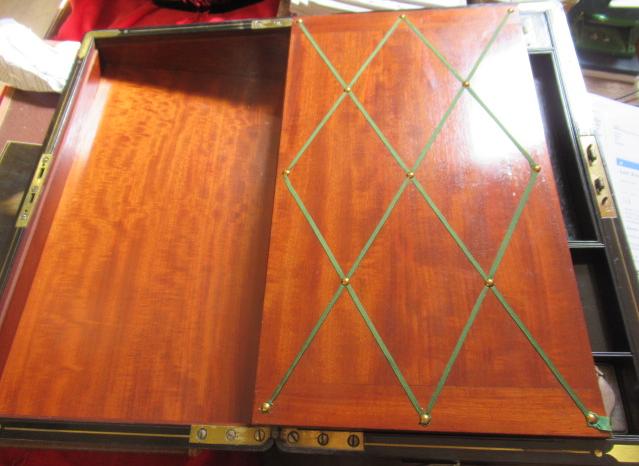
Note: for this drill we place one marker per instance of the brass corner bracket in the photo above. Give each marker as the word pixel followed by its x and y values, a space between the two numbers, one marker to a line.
pixel 89 39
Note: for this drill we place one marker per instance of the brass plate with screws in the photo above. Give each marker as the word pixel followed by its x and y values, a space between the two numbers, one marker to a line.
pixel 241 436
pixel 598 177
pixel 322 439
pixel 33 193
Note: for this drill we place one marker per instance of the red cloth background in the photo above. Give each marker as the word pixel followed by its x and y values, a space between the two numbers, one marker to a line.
pixel 20 457
pixel 87 15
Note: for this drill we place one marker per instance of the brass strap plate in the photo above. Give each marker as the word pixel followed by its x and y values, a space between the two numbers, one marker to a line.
pixel 598 177
pixel 271 23
pixel 241 436
pixel 322 440
pixel 33 193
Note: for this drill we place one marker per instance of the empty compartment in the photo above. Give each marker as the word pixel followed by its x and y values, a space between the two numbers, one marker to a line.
pixel 563 153
pixel 601 308
pixel 140 295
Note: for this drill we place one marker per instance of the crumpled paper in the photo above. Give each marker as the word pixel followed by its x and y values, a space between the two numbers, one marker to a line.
pixel 30 63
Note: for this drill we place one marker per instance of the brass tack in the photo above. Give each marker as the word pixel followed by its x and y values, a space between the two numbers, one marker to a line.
pixel 347 89
pixel 300 21
pixel 466 84
pixel 266 407
pixel 410 175
pixel 345 281
pixel 490 282
pixel 591 418
pixel 402 16
pixel 511 10
pixel 424 419
pixel 286 172
pixel 537 167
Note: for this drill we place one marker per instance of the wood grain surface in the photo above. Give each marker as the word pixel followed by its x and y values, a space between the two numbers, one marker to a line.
pixel 415 282
pixel 142 300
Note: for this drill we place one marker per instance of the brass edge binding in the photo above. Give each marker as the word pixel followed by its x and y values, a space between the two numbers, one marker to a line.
pixel 625 453
pixel 35 188
pixel 271 23
pixel 252 436
pixel 89 39
pixel 598 177
pixel 322 439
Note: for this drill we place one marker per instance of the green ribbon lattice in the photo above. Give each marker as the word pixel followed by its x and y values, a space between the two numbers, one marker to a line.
pixel 593 420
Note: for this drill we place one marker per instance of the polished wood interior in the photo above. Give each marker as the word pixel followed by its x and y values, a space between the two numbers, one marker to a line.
pixel 138 296
pixel 415 282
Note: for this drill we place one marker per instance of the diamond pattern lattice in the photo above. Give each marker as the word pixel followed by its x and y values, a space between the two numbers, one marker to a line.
pixel 344 275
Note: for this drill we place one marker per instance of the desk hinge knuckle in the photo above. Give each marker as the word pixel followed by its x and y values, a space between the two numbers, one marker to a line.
pixel 598 177
pixel 239 436
pixel 330 440
pixel 35 189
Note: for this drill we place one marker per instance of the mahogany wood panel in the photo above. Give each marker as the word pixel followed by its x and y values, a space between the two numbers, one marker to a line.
pixel 415 282
pixel 145 303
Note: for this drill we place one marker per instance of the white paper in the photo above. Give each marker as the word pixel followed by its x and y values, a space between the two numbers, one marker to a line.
pixel 29 63
pixel 617 127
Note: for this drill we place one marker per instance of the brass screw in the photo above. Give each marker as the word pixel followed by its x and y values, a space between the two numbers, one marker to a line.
pixel 286 172
pixel 490 282
pixel 537 167
pixel 598 453
pixel 410 175
pixel 424 419
pixel 299 21
pixel 347 90
pixel 402 16
pixel 266 407
pixel 466 84
pixel 202 433
pixel 231 435
pixel 322 438
pixel 260 435
pixel 345 281
pixel 353 441
pixel 293 436
pixel 591 418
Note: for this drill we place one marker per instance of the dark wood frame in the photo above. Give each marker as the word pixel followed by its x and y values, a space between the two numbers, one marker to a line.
pixel 610 239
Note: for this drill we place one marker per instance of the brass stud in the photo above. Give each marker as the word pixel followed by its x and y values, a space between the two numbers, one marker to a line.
pixel 490 282
pixel 537 167
pixel 598 453
pixel 286 172
pixel 511 10
pixel 410 175
pixel 424 419
pixel 299 21
pixel 592 418
pixel 402 16
pixel 347 90
pixel 466 84
pixel 266 407
pixel 345 281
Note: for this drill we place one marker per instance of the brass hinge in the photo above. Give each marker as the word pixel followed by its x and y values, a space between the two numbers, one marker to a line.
pixel 598 178
pixel 33 193
pixel 253 436
pixel 271 23
pixel 89 39
pixel 322 440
